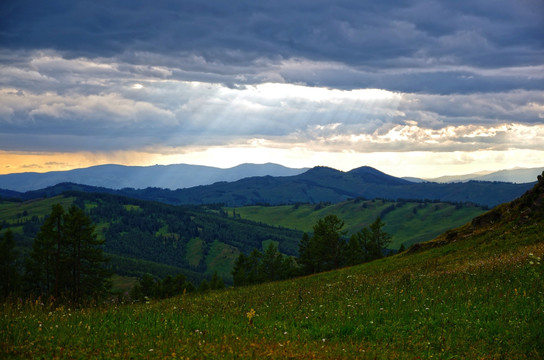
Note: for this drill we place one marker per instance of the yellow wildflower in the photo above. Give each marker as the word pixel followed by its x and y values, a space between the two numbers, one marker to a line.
pixel 250 315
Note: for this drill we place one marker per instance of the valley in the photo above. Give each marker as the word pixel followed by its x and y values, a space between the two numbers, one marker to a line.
pixel 473 292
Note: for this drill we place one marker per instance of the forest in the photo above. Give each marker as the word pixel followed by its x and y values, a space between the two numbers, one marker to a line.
pixel 68 261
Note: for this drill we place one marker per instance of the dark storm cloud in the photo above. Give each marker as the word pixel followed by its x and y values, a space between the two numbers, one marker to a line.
pixel 230 38
pixel 115 75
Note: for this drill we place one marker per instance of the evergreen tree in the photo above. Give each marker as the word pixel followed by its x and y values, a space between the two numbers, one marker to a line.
pixel 371 242
pixel 261 267
pixel 239 271
pixel 10 277
pixel 306 258
pixel 216 283
pixel 271 264
pixel 253 263
pixel 204 286
pixel 289 267
pixel 354 253
pixel 43 267
pixel 85 260
pixel 379 239
pixel 148 286
pixel 67 259
pixel 328 244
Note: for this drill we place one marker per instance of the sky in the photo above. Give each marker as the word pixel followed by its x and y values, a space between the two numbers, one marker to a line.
pixel 419 88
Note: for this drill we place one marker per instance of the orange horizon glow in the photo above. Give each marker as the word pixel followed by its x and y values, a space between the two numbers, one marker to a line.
pixel 419 164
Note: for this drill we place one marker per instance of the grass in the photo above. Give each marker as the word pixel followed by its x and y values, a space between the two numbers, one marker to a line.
pixel 408 222
pixel 480 297
pixel 123 284
pixel 24 211
pixel 221 258
pixel 195 251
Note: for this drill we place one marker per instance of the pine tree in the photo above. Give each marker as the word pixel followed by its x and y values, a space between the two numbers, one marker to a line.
pixel 239 271
pixel 305 257
pixel 379 239
pixel 253 265
pixel 67 259
pixel 10 277
pixel 43 272
pixel 216 283
pixel 271 264
pixel 354 251
pixel 328 244
pixel 88 275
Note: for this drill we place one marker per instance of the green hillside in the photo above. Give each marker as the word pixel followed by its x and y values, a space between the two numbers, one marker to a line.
pixel 474 292
pixel 408 222
pixel 143 236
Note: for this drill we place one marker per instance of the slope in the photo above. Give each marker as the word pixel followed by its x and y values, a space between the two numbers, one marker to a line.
pixel 154 237
pixel 477 294
pixel 408 222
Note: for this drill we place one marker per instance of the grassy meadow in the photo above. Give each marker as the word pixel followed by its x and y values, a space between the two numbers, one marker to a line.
pixel 408 222
pixel 480 296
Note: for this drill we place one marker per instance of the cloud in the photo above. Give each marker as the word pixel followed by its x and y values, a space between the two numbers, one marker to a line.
pixel 342 76
pixel 249 40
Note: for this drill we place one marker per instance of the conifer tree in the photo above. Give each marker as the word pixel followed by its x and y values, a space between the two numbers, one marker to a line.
pixel 305 256
pixel 86 259
pixel 43 272
pixel 67 259
pixel 379 239
pixel 328 243
pixel 216 282
pixel 10 277
pixel 355 254
pixel 271 264
pixel 239 271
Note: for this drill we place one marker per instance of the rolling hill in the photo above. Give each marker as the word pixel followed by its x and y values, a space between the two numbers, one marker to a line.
pixel 408 222
pixel 143 236
pixel 475 292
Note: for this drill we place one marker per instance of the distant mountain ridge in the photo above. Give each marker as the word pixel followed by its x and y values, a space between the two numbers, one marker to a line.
pixel 517 176
pixel 172 177
pixel 319 184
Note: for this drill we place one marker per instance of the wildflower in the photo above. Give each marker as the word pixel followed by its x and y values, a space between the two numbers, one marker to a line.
pixel 250 315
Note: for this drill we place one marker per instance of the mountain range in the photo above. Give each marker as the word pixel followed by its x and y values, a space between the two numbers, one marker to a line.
pixel 180 176
pixel 176 176
pixel 517 175
pixel 317 185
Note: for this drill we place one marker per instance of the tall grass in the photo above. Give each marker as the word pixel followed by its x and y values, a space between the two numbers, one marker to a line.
pixel 478 298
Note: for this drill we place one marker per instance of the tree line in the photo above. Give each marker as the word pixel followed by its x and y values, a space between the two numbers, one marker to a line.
pixel 149 287
pixel 326 249
pixel 67 264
